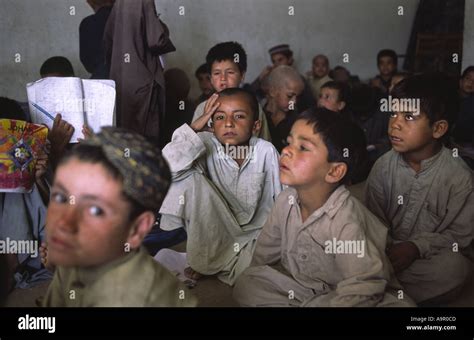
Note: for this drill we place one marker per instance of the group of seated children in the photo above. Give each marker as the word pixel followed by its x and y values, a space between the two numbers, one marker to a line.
pixel 275 221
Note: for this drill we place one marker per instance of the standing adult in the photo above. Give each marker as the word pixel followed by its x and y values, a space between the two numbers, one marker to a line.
pixel 91 33
pixel 134 39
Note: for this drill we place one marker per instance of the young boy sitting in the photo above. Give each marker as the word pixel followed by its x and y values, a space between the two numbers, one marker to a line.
pixel 284 86
pixel 320 246
pixel 319 74
pixel 227 64
pixel 387 64
pixel 224 185
pixel 423 192
pixel 102 202
pixel 333 96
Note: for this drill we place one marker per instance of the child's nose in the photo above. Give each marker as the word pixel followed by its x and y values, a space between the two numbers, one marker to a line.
pixel 395 122
pixel 68 219
pixel 229 121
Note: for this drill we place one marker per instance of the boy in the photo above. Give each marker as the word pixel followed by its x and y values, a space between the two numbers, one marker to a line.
pixel 57 67
pixel 298 260
pixel 387 64
pixel 319 74
pixel 333 96
pixel 466 83
pixel 282 55
pixel 423 192
pixel 205 85
pixel 227 71
pixel 102 202
pixel 284 87
pixel 224 185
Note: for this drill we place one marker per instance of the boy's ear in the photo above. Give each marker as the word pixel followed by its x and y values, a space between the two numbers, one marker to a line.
pixel 141 226
pixel 243 77
pixel 257 125
pixel 342 105
pixel 336 172
pixel 440 128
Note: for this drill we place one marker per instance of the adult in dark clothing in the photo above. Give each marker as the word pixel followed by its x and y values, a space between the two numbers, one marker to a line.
pixel 134 39
pixel 91 33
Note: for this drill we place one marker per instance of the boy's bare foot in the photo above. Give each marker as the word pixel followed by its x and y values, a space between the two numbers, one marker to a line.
pixel 190 273
pixel 44 257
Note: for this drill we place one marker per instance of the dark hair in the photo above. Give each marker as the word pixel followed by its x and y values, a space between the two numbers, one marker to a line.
pixel 249 96
pixel 227 51
pixel 342 90
pixel 60 65
pixel 287 53
pixel 94 155
pixel 467 70
pixel 387 53
pixel 344 139
pixel 201 70
pixel 10 109
pixel 437 93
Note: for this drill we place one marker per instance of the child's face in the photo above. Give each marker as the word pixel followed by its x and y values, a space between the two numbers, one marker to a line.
pixel 281 59
pixel 205 83
pixel 467 83
pixel 286 97
pixel 320 67
pixel 233 121
pixel 410 133
pixel 87 220
pixel 386 66
pixel 225 74
pixel 303 163
pixel 329 99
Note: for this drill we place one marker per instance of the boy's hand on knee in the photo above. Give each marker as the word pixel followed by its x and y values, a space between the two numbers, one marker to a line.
pixel 209 109
pixel 402 255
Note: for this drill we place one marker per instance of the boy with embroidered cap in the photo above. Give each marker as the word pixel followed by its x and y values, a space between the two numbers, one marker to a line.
pixel 424 194
pixel 298 259
pixel 103 199
pixel 224 185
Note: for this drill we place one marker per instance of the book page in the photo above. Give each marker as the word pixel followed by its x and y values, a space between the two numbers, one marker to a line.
pixel 99 103
pixel 49 96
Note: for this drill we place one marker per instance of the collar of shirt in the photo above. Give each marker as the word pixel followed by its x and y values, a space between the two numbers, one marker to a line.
pixel 426 164
pixel 330 207
pixel 88 275
pixel 252 142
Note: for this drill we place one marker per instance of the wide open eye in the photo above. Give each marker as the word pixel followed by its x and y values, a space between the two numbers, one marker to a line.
pixel 95 210
pixel 58 197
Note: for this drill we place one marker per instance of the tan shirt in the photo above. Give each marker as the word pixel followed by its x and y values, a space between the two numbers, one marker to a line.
pixel 339 278
pixel 134 280
pixel 433 208
pixel 316 84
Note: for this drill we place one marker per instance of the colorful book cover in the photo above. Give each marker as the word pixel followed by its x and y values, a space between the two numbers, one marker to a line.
pixel 20 144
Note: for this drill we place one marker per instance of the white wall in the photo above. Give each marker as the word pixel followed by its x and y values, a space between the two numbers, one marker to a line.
pixel 38 29
pixel 468 44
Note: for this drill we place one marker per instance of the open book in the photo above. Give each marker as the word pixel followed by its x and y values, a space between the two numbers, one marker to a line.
pixel 79 101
